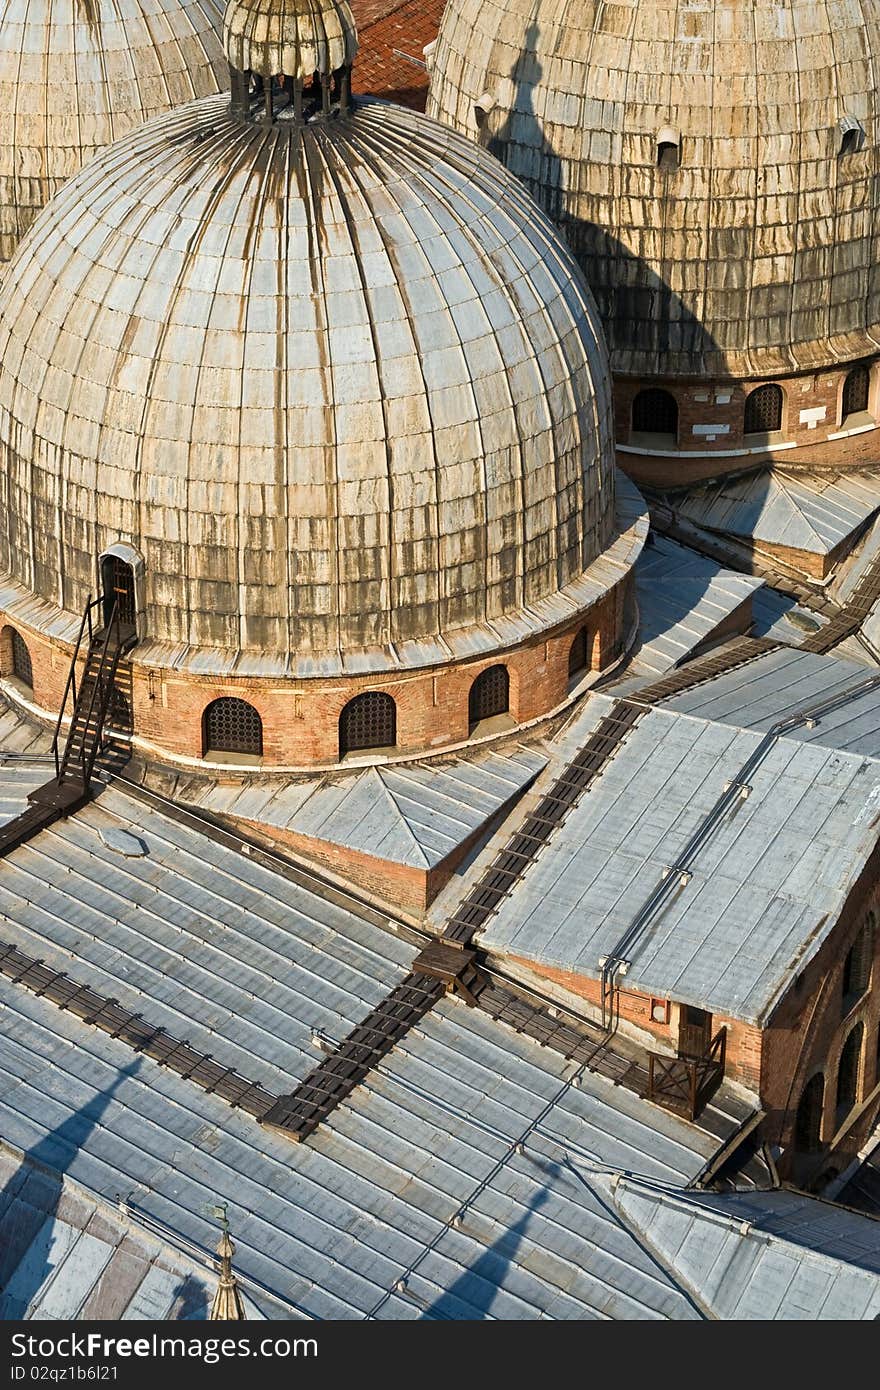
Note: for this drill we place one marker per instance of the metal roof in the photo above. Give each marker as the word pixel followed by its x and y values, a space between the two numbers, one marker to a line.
pixel 787 680
pixel 411 813
pixel 334 1225
pixel 66 1254
pixel 758 1255
pixel 801 511
pixel 766 886
pixel 683 597
pixel 250 964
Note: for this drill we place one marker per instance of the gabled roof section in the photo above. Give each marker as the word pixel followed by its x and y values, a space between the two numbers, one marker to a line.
pixel 797 510
pixel 757 1255
pixel 683 597
pixel 410 813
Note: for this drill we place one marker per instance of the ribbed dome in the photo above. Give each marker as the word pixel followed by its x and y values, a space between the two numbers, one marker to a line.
pixel 340 383
pixel 296 37
pixel 76 74
pixel 759 254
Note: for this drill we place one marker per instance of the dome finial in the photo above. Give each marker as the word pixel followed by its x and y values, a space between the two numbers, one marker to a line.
pixel 292 41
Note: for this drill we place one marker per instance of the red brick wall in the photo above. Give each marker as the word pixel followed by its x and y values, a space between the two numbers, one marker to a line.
pixel 807 1030
pixel 743 1062
pixel 813 391
pixel 301 718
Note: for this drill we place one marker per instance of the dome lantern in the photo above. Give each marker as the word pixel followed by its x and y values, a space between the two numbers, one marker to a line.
pixel 294 56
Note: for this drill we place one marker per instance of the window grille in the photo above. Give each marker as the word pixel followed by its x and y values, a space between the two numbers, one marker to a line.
pixel 368 721
pixel 855 391
pixel 655 412
pixel 22 667
pixel 489 695
pixel 232 726
pixel 577 654
pixel 808 1121
pixel 763 413
pixel 848 1072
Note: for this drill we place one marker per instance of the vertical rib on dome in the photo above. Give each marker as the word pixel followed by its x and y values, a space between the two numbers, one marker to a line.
pixel 293 37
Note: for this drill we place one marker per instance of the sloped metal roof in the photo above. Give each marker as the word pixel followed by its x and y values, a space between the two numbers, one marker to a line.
pixel 683 597
pixel 758 1255
pixel 334 1225
pixel 411 813
pixel 765 888
pixel 66 1254
pixel 249 964
pixel 782 682
pixel 801 511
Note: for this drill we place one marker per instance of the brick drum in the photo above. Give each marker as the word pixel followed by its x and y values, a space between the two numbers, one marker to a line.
pixel 301 717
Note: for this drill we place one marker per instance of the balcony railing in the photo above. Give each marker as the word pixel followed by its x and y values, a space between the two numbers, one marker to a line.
pixel 685 1084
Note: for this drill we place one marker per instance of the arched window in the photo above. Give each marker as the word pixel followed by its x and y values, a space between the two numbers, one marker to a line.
pixel 22 666
pixel 489 695
pixel 368 721
pixel 655 412
pixel 763 413
pixel 857 965
pixel 578 654
pixel 808 1121
pixel 232 726
pixel 855 392
pixel 848 1073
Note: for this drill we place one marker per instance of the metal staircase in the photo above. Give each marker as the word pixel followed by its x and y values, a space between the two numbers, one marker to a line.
pixel 87 702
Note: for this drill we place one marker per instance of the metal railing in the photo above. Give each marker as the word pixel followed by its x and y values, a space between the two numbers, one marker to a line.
pixel 685 1084
pixel 70 685
pixel 87 720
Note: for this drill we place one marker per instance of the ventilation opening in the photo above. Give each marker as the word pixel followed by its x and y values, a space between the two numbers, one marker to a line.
pixel 763 412
pixel 232 726
pixel 668 149
pixel 856 390
pixel 368 721
pixel 489 696
pixel 655 417
pixel 851 136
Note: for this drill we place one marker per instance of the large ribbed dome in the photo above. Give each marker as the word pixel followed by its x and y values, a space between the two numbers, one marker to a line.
pixel 759 253
pixel 76 74
pixel 338 381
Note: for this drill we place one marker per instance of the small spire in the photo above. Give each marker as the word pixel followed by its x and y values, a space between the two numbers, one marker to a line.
pixel 228 1304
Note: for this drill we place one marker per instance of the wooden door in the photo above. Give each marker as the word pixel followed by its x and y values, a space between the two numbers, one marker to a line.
pixel 694 1031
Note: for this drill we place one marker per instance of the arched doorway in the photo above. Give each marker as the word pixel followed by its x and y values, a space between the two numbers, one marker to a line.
pixel 117 589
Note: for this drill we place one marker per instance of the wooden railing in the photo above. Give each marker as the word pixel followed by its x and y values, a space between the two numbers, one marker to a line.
pixel 685 1084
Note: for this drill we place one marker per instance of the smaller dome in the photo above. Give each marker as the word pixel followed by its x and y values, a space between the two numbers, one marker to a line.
pixel 294 37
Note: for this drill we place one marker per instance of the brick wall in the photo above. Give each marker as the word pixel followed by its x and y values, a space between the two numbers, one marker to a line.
pixel 721 405
pixel 743 1040
pixel 806 1034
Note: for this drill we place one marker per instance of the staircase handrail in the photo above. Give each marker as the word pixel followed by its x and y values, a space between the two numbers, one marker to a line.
pixel 71 678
